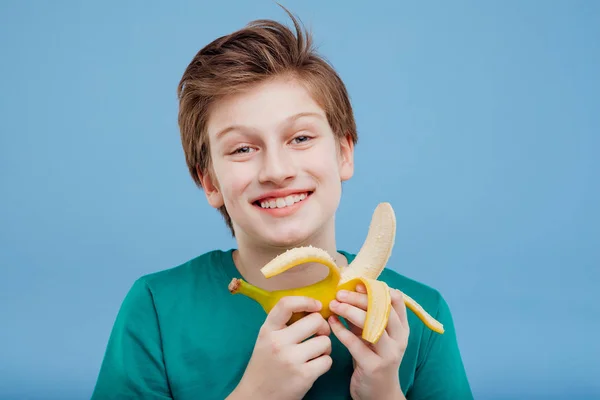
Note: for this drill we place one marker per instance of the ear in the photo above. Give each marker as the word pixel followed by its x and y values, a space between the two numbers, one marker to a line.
pixel 346 166
pixel 210 187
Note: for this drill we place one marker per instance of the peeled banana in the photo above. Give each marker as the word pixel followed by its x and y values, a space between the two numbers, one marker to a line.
pixel 365 268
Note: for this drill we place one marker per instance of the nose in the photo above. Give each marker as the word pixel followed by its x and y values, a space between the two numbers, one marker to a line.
pixel 277 166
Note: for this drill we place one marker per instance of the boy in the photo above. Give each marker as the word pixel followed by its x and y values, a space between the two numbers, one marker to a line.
pixel 269 135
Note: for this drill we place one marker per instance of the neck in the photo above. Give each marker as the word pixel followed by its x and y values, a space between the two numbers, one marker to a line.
pixel 251 256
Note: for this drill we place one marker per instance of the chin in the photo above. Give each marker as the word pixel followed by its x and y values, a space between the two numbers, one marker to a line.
pixel 287 238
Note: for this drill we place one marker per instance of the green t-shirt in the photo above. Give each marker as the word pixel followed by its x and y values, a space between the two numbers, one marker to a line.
pixel 180 334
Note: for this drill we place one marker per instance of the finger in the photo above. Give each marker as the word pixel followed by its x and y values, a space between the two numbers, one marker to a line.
pixel 354 329
pixel 391 336
pixel 318 366
pixel 286 306
pixel 396 332
pixel 360 288
pixel 312 348
pixel 312 324
pixel 351 313
pixel 360 300
pixel 355 345
pixel 357 317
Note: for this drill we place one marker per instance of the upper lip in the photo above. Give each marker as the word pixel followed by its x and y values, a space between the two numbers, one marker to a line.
pixel 280 193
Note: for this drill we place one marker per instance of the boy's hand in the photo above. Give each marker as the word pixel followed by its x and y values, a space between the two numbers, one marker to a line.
pixel 283 364
pixel 376 366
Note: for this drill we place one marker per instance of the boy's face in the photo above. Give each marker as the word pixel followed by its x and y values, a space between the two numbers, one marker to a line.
pixel 276 164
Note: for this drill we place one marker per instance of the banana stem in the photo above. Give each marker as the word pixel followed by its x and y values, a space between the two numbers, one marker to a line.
pixel 242 287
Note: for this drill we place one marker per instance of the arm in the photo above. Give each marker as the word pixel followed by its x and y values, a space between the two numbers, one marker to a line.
pixel 440 371
pixel 133 365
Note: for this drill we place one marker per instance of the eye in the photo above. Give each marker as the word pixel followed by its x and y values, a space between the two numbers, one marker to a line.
pixel 242 150
pixel 301 139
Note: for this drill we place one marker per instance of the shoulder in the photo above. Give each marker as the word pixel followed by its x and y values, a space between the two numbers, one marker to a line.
pixel 155 310
pixel 174 282
pixel 188 272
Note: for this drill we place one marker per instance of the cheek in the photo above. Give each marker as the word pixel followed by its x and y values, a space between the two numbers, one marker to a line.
pixel 327 163
pixel 234 179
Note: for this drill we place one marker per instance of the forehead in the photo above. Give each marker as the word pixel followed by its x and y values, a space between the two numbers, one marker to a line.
pixel 264 106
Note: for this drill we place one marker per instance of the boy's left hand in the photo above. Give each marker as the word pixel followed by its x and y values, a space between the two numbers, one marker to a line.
pixel 376 365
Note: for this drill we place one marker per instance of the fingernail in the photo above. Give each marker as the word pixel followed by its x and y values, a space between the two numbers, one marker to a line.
pixel 342 294
pixel 334 304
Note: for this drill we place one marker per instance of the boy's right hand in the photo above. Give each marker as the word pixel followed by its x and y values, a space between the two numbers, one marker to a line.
pixel 283 364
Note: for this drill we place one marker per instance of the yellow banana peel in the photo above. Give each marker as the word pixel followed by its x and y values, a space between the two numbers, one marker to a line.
pixel 365 268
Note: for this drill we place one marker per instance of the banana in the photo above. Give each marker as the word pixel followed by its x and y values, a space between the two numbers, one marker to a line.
pixel 324 290
pixel 377 247
pixel 365 268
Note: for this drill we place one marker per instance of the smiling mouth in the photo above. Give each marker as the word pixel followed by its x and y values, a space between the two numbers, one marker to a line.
pixel 282 202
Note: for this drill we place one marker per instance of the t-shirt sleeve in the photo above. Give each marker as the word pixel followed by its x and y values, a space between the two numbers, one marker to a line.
pixel 133 365
pixel 440 373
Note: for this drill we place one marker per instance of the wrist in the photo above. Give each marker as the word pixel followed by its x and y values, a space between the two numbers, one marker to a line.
pixel 394 392
pixel 383 391
pixel 397 394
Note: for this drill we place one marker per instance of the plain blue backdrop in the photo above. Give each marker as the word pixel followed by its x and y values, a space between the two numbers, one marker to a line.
pixel 478 121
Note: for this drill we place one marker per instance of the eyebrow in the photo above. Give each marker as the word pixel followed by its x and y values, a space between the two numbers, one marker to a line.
pixel 287 121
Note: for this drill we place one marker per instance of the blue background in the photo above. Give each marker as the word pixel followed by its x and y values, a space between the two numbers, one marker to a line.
pixel 478 122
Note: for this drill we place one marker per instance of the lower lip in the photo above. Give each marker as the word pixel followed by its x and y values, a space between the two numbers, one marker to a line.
pixel 284 211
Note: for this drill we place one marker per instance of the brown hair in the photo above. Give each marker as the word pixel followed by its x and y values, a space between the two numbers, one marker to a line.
pixel 263 50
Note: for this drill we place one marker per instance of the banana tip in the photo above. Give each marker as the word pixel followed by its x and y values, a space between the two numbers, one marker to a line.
pixel 234 285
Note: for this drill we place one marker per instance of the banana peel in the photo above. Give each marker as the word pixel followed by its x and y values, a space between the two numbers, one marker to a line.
pixel 365 268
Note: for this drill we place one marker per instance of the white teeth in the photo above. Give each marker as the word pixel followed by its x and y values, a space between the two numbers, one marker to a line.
pixel 282 202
